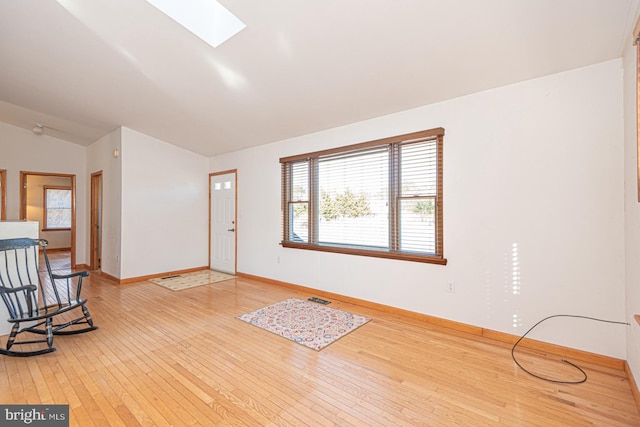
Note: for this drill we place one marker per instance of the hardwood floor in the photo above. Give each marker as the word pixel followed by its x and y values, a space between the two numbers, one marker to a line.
pixel 182 358
pixel 60 260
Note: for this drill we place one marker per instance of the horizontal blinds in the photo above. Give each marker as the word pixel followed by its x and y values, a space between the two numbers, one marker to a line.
pixel 408 137
pixel 353 207
pixel 418 190
pixel 297 203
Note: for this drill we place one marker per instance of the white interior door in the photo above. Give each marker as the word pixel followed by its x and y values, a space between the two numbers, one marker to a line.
pixel 223 222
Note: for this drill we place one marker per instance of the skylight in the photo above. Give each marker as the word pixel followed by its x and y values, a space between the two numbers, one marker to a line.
pixel 207 19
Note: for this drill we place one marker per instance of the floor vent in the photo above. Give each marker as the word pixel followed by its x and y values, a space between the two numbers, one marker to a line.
pixel 319 300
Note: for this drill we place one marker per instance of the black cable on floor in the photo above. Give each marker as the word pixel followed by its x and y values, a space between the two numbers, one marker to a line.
pixel 584 374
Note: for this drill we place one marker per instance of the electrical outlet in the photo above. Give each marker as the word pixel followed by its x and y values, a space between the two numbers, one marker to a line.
pixel 451 287
pixel 278 259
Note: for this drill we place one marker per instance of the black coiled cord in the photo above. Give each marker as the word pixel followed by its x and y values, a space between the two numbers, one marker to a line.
pixel 584 374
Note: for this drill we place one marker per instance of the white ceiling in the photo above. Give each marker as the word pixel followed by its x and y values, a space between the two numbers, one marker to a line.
pixel 83 68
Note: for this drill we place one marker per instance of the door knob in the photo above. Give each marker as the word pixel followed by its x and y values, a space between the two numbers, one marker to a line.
pixel 231 229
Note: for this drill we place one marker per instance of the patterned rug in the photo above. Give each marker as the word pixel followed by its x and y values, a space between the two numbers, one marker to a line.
pixel 191 280
pixel 304 322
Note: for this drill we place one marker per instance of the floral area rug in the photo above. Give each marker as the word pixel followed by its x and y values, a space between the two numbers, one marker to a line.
pixel 191 280
pixel 304 322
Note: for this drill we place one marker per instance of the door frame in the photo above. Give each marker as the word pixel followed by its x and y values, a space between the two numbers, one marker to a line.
pixel 95 245
pixel 3 194
pixel 235 235
pixel 23 204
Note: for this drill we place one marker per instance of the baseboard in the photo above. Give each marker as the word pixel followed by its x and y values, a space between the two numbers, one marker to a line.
pixel 109 277
pixel 154 276
pixel 632 384
pixel 81 267
pixel 540 346
pixel 558 350
pixel 49 250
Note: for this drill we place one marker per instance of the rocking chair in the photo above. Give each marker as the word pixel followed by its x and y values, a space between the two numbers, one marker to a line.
pixel 34 302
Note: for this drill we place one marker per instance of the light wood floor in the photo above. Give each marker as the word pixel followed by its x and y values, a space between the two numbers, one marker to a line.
pixel 182 358
pixel 59 260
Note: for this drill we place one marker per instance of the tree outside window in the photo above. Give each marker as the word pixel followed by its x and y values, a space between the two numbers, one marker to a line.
pixel 57 208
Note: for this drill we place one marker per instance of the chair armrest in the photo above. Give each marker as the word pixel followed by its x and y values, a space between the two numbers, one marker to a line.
pixel 69 276
pixel 31 288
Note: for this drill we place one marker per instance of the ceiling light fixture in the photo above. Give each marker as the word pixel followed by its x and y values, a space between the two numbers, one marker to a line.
pixel 38 129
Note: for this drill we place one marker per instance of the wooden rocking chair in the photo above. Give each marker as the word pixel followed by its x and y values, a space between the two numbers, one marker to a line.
pixel 35 301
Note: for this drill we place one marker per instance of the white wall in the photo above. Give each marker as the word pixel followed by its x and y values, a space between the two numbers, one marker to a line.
pixel 165 196
pixel 533 211
pixel 22 150
pixel 12 230
pixel 100 158
pixel 632 210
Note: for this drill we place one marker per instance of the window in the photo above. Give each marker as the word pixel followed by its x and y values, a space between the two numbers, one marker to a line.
pixel 57 208
pixel 207 19
pixel 380 198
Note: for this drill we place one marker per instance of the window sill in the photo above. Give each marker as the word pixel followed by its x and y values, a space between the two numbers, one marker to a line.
pixel 429 259
pixel 56 229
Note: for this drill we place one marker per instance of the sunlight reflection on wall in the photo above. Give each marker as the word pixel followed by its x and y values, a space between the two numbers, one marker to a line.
pixel 516 321
pixel 515 270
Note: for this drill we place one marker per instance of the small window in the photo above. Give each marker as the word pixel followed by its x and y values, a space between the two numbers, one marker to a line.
pixel 380 198
pixel 57 208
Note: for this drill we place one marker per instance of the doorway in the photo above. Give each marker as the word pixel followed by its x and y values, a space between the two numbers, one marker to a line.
pixel 96 221
pixel 223 224
pixel 34 190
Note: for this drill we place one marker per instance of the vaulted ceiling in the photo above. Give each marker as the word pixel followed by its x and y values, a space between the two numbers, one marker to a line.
pixel 83 68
